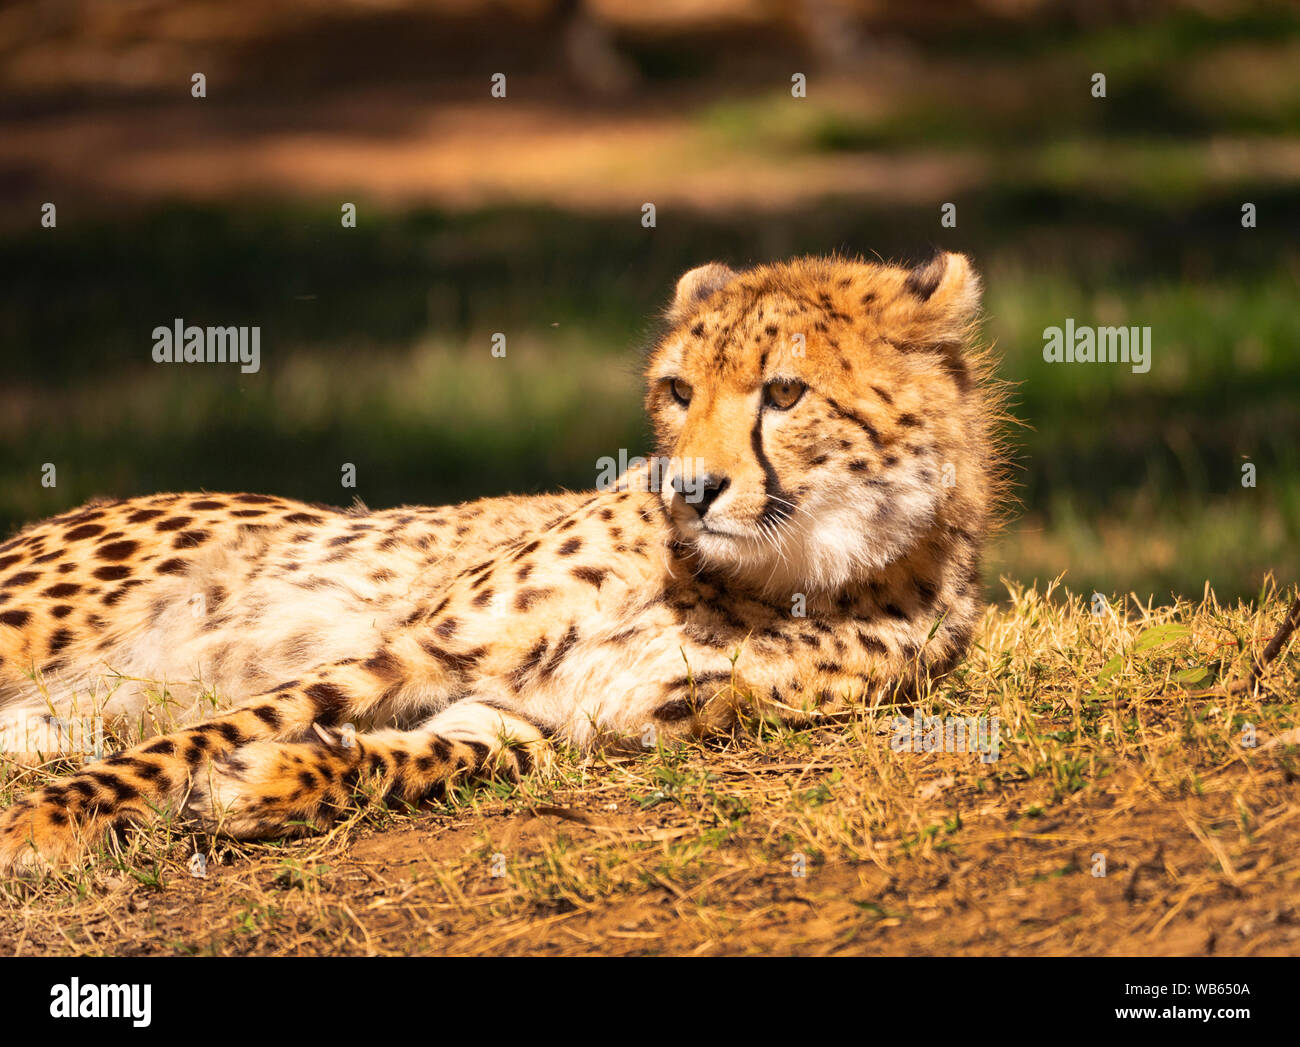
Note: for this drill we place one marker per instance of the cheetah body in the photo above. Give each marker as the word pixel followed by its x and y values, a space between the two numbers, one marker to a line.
pixel 825 434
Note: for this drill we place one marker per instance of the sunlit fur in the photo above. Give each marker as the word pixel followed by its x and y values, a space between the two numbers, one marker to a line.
pixel 849 479
pixel 284 651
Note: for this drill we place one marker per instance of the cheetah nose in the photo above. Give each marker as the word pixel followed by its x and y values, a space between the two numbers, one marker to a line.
pixel 701 492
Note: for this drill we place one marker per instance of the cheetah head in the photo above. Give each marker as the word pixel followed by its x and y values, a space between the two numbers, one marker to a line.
pixel 818 420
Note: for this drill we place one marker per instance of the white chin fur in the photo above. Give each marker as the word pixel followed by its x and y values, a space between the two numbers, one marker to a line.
pixel 828 544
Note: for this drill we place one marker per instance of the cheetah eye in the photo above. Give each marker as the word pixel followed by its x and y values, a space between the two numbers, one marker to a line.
pixel 782 395
pixel 681 391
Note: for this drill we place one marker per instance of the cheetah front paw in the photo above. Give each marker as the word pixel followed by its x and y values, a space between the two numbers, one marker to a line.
pixel 36 836
pixel 268 789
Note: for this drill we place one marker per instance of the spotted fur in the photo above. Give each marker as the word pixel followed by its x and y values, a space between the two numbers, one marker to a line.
pixel 830 478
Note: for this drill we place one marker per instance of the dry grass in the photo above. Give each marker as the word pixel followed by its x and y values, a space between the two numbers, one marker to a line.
pixel 1104 755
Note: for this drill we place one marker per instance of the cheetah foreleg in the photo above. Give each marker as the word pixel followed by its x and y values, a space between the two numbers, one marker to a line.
pixel 278 788
pixel 56 823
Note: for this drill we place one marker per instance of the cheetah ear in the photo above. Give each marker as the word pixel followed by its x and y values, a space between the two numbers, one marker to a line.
pixel 947 293
pixel 696 285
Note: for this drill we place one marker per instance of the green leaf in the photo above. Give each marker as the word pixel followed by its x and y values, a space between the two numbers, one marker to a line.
pixel 1110 668
pixel 1195 676
pixel 1160 636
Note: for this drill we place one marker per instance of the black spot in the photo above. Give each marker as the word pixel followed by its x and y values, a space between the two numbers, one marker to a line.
pixel 189 539
pixel 525 598
pixel 269 716
pixel 857 420
pixel 531 660
pixel 330 702
pixel 175 523
pixel 570 547
pixel 561 649
pixel 455 660
pixel 531 547
pixel 228 731
pixel 21 578
pixel 121 790
pixel 111 599
pixel 677 709
pixel 872 644
pixel 383 665
pixel 116 550
pixel 112 574
pixel 84 531
pixel 591 575
pixel 15 618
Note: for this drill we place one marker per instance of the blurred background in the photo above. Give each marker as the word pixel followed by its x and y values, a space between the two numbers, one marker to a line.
pixel 523 215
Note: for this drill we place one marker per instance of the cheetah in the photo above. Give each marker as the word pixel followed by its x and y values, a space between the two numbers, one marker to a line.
pixel 805 540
